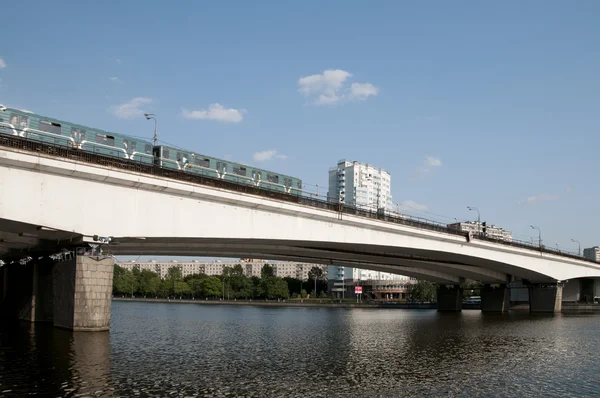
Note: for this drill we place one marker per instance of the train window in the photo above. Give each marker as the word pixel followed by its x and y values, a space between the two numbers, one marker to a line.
pixel 148 149
pixel 273 178
pixel 19 120
pixel 287 182
pixel 299 185
pixel 221 166
pixel 50 127
pixel 239 170
pixel 165 153
pixel 257 175
pixel 202 162
pixel 105 139
pixel 78 134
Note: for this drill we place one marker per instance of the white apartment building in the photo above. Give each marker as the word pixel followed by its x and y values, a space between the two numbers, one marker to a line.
pixel 592 253
pixel 251 268
pixel 344 278
pixel 491 231
pixel 361 185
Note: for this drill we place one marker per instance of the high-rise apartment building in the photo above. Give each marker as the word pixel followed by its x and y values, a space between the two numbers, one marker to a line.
pixel 361 185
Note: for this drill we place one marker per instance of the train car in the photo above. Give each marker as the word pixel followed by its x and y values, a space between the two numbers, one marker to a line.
pixel 190 162
pixel 57 132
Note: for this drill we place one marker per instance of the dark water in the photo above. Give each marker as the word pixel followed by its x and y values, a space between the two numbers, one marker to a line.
pixel 173 350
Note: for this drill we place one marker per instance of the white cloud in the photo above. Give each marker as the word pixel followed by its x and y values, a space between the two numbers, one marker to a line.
pixel 330 87
pixel 131 109
pixel 411 204
pixel 545 197
pixel 216 112
pixel 2 63
pixel 429 164
pixel 115 79
pixel 361 91
pixel 268 155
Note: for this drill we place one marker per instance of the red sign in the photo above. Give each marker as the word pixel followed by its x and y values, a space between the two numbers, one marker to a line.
pixel 357 289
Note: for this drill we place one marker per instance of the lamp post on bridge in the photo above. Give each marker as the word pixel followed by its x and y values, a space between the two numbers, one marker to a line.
pixel 151 116
pixel 539 235
pixel 578 243
pixel 478 217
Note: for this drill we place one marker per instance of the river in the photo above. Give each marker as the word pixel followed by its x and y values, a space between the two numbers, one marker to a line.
pixel 187 350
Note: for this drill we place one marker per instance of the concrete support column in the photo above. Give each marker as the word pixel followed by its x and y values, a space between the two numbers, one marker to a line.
pixel 82 293
pixel 495 298
pixel 449 298
pixel 545 297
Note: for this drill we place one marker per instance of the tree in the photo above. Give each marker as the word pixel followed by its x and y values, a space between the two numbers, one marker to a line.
pixel 315 273
pixel 149 282
pixel 123 281
pixel 422 291
pixel 174 275
pixel 267 271
pixel 211 286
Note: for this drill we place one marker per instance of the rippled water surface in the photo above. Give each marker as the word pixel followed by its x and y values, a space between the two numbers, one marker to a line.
pixel 177 350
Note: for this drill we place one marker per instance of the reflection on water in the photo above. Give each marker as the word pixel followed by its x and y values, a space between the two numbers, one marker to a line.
pixel 193 350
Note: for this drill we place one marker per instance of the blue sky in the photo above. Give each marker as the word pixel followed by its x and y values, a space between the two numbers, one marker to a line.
pixel 488 104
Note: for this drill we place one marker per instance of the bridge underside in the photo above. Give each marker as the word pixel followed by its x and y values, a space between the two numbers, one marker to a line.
pixel 20 240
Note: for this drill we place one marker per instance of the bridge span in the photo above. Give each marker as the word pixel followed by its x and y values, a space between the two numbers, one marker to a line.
pixel 53 200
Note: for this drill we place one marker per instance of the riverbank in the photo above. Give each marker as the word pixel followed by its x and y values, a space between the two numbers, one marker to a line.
pixel 567 307
pixel 287 303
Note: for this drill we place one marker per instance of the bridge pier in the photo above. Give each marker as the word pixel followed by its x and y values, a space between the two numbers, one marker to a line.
pixel 74 294
pixel 495 298
pixel 449 298
pixel 545 297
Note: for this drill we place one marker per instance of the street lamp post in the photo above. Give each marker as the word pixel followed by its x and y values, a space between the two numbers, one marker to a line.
pixel 151 116
pixel 539 235
pixel 478 217
pixel 578 243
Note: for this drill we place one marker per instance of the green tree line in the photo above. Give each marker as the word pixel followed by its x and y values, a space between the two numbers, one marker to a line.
pixel 232 284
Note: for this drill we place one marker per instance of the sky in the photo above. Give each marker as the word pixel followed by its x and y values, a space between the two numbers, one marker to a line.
pixel 488 104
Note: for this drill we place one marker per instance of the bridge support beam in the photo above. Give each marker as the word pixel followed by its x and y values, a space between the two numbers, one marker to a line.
pixel 449 298
pixel 83 293
pixel 495 298
pixel 545 297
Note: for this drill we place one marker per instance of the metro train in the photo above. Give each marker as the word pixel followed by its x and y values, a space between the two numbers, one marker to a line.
pixel 57 132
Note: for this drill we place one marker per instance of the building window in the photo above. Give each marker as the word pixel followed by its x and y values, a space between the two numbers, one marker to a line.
pixel 50 127
pixel 202 162
pixel 19 120
pixel 105 139
pixel 78 134
pixel 273 178
pixel 239 170
pixel 222 167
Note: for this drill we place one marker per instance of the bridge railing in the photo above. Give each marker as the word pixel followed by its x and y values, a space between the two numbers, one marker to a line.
pixel 205 178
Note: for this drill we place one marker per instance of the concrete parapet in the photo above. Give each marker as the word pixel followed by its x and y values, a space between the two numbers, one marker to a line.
pixel 495 298
pixel 449 298
pixel 545 297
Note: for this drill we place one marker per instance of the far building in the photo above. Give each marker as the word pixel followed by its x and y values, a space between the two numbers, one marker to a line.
pixel 491 231
pixel 592 253
pixel 341 282
pixel 360 185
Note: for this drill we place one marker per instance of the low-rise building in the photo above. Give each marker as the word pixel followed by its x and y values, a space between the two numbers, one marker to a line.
pixel 251 268
pixel 592 253
pixel 491 231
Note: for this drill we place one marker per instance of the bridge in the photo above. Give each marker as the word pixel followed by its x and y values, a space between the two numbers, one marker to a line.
pixel 57 200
